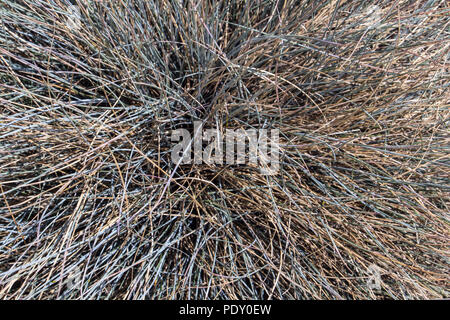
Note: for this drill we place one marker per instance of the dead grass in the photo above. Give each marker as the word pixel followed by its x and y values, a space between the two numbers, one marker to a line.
pixel 92 207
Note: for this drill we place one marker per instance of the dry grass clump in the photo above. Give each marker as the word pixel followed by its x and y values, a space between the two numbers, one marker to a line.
pixel 92 207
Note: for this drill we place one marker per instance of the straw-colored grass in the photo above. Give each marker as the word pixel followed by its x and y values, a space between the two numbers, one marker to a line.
pixel 92 207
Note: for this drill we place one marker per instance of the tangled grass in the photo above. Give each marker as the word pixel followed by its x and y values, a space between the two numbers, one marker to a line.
pixel 92 207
